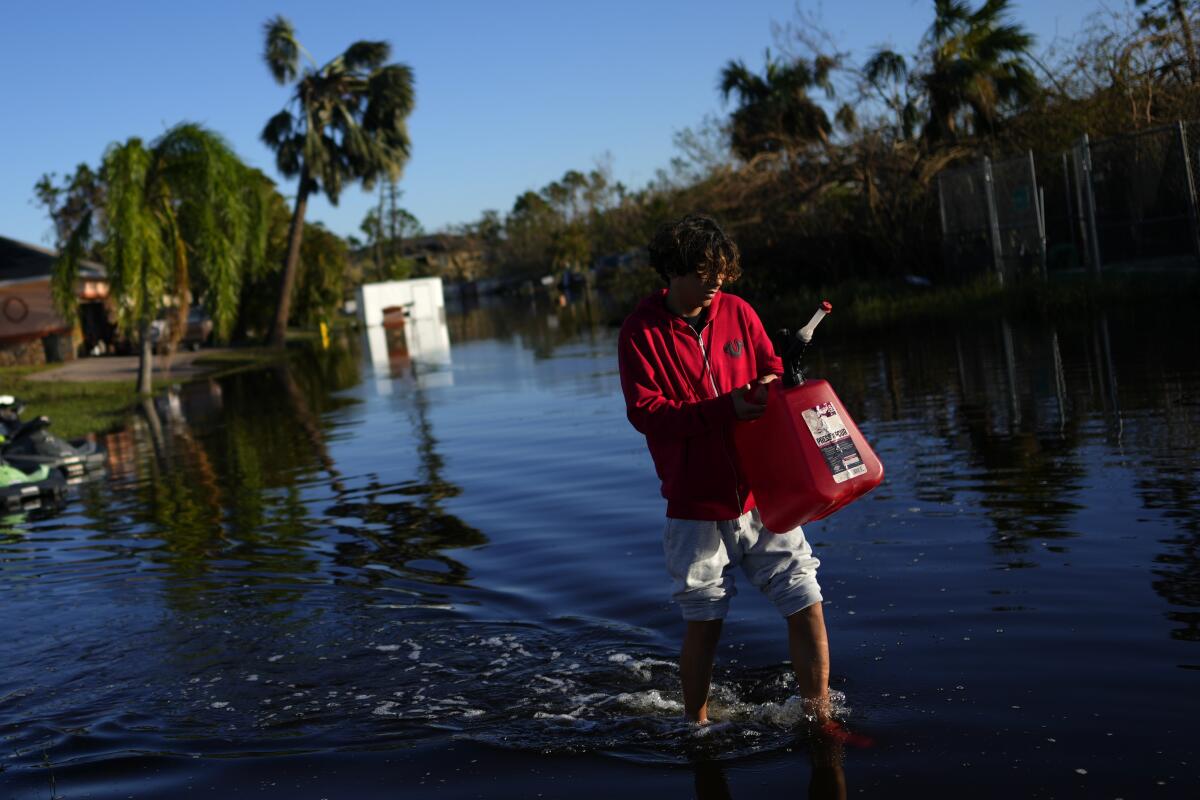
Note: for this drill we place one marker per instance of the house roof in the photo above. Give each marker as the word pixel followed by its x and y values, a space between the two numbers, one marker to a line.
pixel 21 262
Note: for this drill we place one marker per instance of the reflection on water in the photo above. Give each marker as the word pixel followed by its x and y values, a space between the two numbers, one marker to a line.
pixel 341 559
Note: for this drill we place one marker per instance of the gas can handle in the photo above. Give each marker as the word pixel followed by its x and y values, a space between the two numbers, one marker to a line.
pixel 806 333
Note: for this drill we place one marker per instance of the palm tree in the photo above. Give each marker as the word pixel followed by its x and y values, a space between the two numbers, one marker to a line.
pixel 186 199
pixel 977 67
pixel 775 112
pixel 345 122
pixel 973 68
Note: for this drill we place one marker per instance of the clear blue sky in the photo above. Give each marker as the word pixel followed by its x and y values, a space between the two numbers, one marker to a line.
pixel 509 94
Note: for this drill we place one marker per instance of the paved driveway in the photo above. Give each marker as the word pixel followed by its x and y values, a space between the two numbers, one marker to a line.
pixel 124 368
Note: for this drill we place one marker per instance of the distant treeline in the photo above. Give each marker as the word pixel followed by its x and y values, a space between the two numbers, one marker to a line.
pixel 825 168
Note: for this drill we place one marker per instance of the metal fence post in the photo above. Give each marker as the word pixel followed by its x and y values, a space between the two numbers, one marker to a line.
pixel 1079 222
pixel 1041 193
pixel 1039 211
pixel 946 246
pixel 1193 226
pixel 1072 218
pixel 1089 204
pixel 993 218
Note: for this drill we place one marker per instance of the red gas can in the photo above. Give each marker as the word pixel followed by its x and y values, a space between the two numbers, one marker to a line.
pixel 804 458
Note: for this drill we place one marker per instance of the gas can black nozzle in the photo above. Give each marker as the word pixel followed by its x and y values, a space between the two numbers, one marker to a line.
pixel 795 344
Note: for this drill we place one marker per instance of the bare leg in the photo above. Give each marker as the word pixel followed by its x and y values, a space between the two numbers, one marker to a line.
pixel 696 666
pixel 809 646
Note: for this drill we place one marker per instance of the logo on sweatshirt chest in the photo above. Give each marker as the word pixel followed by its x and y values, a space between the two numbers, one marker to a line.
pixel 734 349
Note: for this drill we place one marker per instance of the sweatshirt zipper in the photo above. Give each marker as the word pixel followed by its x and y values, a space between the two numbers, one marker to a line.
pixel 713 382
pixel 707 366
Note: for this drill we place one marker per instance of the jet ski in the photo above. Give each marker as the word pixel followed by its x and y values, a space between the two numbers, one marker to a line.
pixel 28 445
pixel 21 490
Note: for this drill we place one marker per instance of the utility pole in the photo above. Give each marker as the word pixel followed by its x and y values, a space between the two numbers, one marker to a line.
pixel 393 224
pixel 378 236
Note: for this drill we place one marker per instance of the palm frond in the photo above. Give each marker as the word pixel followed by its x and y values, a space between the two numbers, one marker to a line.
pixel 65 272
pixel 134 250
pixel 389 98
pixel 886 64
pixel 989 13
pixel 278 129
pixel 366 55
pixel 735 77
pixel 259 190
pixel 1007 38
pixel 289 156
pixel 281 51
pixel 948 15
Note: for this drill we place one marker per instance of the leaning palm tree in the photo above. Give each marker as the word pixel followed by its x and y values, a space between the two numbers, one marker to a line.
pixel 775 112
pixel 344 123
pixel 184 200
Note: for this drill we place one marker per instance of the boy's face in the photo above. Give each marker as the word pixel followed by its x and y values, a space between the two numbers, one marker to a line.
pixel 692 291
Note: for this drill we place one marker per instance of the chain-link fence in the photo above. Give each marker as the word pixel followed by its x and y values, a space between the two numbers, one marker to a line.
pixel 1066 245
pixel 1019 223
pixel 1129 200
pixel 1145 205
pixel 967 236
pixel 992 215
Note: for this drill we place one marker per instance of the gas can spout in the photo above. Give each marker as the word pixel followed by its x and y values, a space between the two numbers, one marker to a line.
pixel 795 345
pixel 806 333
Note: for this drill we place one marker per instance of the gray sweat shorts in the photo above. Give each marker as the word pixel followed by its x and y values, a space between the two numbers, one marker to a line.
pixel 702 555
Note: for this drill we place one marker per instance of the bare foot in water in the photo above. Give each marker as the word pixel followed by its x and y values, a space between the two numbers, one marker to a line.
pixel 819 712
pixel 832 731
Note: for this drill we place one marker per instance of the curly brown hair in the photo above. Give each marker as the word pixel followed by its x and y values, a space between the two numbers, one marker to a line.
pixel 696 244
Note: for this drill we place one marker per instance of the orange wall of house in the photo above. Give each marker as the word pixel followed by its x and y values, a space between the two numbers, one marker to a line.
pixel 27 311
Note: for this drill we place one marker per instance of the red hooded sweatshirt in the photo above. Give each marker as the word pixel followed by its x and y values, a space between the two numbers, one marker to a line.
pixel 677 386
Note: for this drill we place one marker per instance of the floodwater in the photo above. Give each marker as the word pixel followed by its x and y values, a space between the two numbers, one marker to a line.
pixel 363 578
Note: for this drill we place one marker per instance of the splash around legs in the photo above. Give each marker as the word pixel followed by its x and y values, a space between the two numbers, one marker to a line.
pixel 808 644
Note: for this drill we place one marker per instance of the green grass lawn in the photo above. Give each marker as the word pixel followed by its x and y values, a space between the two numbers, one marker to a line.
pixel 78 408
pixel 74 409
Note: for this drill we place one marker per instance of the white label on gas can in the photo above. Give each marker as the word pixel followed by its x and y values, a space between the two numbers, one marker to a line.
pixel 833 440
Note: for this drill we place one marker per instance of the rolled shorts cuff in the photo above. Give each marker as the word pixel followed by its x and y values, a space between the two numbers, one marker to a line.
pixel 703 610
pixel 701 557
pixel 801 597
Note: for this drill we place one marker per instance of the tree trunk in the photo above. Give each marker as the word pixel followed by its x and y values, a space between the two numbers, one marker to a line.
pixel 145 361
pixel 291 263
pixel 1180 10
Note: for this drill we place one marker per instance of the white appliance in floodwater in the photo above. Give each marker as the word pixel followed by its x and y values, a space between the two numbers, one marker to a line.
pixel 406 332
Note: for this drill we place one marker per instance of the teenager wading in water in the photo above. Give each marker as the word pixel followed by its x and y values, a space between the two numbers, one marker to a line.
pixel 691 358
